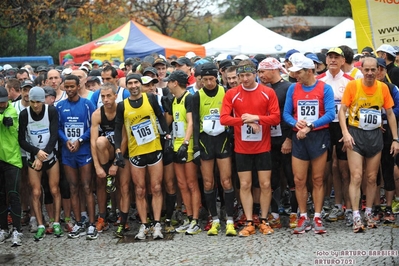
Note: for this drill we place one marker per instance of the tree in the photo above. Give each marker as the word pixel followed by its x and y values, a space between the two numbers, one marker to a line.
pixel 167 16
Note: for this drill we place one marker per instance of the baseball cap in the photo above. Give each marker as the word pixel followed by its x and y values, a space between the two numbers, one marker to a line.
pixel 300 62
pixel 86 64
pixel 159 61
pixel 11 73
pixel 177 75
pixel 147 79
pixel 153 70
pixel 197 70
pixel 93 79
pixel 386 48
pixel 222 56
pixel 322 58
pixel 37 94
pixel 49 91
pixel 27 83
pixel 182 61
pixel 149 59
pixel 84 68
pixel 41 68
pixel 241 57
pixel 7 67
pixel 313 57
pixel 97 62
pixel 172 57
pixel 226 63
pixel 337 51
pixel 66 71
pixel 289 53
pixel 95 72
pixel 3 95
pixel 367 50
pixel 190 55
pixel 381 62
pixel 271 63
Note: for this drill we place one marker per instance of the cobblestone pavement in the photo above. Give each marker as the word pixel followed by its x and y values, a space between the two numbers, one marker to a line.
pixel 280 248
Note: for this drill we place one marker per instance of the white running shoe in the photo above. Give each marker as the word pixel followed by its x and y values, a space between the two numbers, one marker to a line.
pixel 142 234
pixel 157 233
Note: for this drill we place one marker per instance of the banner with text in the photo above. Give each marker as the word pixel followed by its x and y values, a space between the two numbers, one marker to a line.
pixel 376 22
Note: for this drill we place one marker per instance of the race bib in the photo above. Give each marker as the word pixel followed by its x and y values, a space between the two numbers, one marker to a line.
pixel 211 125
pixel 110 136
pixel 369 119
pixel 308 110
pixel 73 131
pixel 275 131
pixel 248 134
pixel 337 106
pixel 178 129
pixel 143 132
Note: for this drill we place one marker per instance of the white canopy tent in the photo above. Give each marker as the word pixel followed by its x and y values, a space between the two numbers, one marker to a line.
pixel 342 34
pixel 249 37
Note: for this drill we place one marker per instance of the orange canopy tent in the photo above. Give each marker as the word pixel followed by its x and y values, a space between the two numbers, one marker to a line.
pixel 131 40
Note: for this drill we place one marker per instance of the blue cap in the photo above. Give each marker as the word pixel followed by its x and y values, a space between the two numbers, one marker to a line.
pixel 381 62
pixel 313 57
pixel 290 52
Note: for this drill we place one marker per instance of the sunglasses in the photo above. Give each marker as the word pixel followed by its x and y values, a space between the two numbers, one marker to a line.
pixel 246 69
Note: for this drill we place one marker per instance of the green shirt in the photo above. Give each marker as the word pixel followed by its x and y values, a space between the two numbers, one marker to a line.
pixel 10 151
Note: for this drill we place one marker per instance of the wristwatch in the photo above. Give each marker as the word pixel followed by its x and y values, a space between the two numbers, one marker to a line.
pixel 397 140
pixel 80 141
pixel 310 125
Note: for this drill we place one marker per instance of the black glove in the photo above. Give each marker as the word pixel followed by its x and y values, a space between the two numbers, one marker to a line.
pixel 8 122
pixel 119 160
pixel 182 154
pixel 197 157
pixel 168 146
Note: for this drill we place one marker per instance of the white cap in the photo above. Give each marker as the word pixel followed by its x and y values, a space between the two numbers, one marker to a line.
pixel 241 57
pixel 190 55
pixel 82 67
pixel 299 61
pixel 7 67
pixel 66 71
pixel 87 64
pixel 386 48
pixel 222 57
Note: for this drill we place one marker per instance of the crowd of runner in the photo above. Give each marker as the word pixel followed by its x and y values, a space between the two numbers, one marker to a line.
pixel 159 139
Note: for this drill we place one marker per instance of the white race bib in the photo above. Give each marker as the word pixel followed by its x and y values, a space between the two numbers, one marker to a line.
pixel 143 132
pixel 74 130
pixel 275 131
pixel 211 125
pixel 248 134
pixel 369 119
pixel 308 110
pixel 178 129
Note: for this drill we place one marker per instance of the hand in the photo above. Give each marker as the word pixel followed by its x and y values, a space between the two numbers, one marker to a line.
pixel 100 172
pixel 119 160
pixel 302 132
pixel 348 141
pixel 8 122
pixel 300 124
pixel 248 118
pixel 182 154
pixel 394 148
pixel 255 127
pixel 37 165
pixel 41 155
pixel 197 157
pixel 287 146
pixel 113 170
pixel 70 146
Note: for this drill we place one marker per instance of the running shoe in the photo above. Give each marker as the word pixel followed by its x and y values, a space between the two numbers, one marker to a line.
pixel 157 231
pixel 84 220
pixel 230 229
pixel 3 236
pixel 77 231
pixel 293 220
pixel 336 214
pixel 275 223
pixel 92 233
pixel 303 225
pixel 208 223
pixel 193 229
pixel 25 218
pixel 110 184
pixel 119 231
pixel 377 215
pixel 118 222
pixel 395 207
pixel 33 225
pixel 265 228
pixel 101 225
pixel 68 226
pixel 168 228
pixel 112 217
pixel 41 232
pixel 142 234
pixel 183 228
pixel 49 229
pixel 389 218
pixel 348 218
pixel 58 232
pixel 326 204
pixel 214 230
pixel 16 238
pixel 370 222
pixel 358 226
pixel 318 226
pixel 248 230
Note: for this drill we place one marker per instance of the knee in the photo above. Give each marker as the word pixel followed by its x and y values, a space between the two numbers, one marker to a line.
pixel 140 192
pixel 156 189
pixel 317 181
pixel 101 143
pixel 226 183
pixel 300 181
pixel 245 186
pixel 265 185
pixel 208 185
pixel 36 193
pixel 55 191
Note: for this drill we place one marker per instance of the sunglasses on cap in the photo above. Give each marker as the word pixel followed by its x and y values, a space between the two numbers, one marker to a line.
pixel 246 69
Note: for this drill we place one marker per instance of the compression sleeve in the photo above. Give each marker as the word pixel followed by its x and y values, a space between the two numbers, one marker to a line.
pixel 196 118
pixel 158 112
pixel 120 110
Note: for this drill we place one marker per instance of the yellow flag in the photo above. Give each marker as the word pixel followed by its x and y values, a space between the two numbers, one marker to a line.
pixel 376 22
